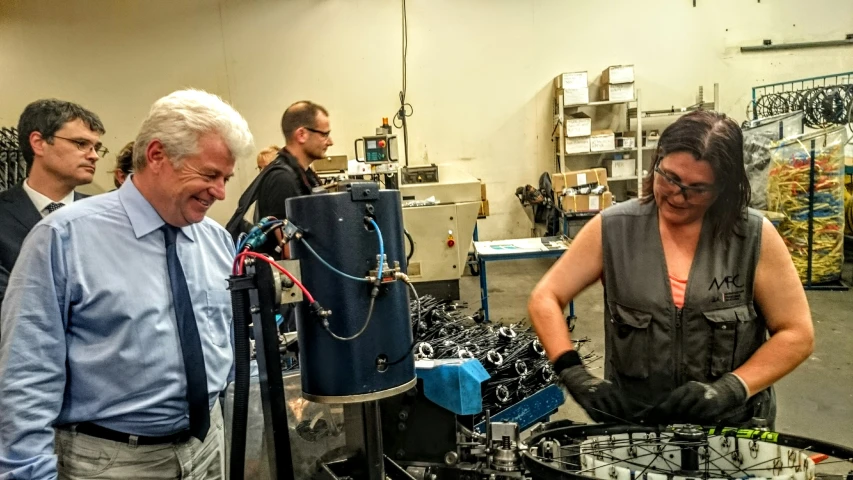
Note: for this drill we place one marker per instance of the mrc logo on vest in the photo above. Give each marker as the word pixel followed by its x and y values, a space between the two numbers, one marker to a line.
pixel 727 289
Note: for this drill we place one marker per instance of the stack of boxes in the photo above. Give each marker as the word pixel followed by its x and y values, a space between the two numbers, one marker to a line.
pixel 587 190
pixel 617 83
pixel 582 190
pixel 578 131
pixel 574 87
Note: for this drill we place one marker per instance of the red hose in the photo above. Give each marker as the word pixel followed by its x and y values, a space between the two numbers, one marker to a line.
pixel 296 282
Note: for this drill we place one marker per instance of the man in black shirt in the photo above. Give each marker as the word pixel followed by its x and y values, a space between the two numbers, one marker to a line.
pixel 305 126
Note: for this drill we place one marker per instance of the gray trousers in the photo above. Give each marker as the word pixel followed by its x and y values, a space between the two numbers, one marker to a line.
pixel 83 457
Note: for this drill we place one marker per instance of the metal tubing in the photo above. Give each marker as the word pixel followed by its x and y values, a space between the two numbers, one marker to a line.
pixel 364 435
pixel 797 46
pixel 811 215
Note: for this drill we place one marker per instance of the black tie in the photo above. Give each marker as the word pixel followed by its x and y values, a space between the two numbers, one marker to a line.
pixel 52 207
pixel 197 395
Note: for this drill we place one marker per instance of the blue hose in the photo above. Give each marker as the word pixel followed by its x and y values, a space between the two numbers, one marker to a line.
pixel 329 266
pixel 381 249
pixel 256 233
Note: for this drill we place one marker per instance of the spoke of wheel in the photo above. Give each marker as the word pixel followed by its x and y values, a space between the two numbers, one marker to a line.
pixel 753 466
pixel 603 448
pixel 619 461
pixel 674 468
pixel 647 466
pixel 721 456
pixel 600 451
pixel 562 462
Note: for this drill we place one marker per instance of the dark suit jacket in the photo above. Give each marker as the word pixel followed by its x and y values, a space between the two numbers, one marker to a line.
pixel 18 216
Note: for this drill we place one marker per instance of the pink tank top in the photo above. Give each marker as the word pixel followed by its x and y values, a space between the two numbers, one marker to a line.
pixel 679 287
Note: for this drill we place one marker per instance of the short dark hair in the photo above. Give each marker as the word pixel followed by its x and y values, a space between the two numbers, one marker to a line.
pixel 300 114
pixel 714 138
pixel 46 117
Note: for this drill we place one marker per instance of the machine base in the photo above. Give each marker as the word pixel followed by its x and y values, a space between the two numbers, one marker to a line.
pixel 441 289
pixel 361 398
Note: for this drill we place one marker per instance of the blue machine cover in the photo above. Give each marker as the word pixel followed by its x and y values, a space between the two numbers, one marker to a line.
pixel 453 383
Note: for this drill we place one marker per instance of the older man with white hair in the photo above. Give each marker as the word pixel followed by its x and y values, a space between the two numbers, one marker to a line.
pixel 116 325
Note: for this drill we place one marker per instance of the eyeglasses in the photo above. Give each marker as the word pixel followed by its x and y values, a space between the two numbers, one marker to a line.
pixel 86 145
pixel 688 192
pixel 319 132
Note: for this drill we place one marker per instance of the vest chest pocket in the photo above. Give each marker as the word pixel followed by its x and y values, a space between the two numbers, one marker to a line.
pixel 629 338
pixel 725 324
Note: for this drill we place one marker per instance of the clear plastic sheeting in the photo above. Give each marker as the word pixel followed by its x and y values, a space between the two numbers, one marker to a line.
pixel 316 430
pixel 757 139
pixel 788 193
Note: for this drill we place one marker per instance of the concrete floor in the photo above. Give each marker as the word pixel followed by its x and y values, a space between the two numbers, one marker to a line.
pixel 816 400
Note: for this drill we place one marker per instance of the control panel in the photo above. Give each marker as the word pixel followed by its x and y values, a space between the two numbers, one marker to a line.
pixel 424 174
pixel 378 149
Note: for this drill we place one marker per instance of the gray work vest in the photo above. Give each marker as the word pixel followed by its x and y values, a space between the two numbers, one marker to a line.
pixel 652 347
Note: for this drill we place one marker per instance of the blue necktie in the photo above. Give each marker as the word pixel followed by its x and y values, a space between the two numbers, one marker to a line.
pixel 197 395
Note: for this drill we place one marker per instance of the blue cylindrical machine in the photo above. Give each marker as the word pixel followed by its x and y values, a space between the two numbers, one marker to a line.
pixel 379 362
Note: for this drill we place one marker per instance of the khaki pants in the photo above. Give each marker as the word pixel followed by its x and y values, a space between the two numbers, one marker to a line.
pixel 82 457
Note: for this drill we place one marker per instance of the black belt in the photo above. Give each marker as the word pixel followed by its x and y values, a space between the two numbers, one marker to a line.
pixel 105 433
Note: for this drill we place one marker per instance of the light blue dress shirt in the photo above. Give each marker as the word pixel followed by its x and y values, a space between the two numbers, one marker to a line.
pixel 88 331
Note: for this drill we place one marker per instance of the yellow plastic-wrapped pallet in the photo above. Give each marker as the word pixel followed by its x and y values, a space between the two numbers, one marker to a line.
pixel 788 193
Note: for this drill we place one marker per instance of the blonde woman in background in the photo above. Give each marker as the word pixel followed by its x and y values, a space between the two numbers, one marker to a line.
pixel 266 156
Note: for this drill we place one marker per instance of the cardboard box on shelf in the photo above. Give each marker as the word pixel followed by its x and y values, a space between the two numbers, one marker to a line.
pixel 602 140
pixel 591 176
pixel 573 80
pixel 586 203
pixel 626 139
pixel 576 96
pixel 617 92
pixel 484 209
pixel 577 144
pixel 618 74
pixel 578 125
pixel 621 168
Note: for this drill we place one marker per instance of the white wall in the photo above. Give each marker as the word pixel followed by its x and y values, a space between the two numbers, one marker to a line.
pixel 480 71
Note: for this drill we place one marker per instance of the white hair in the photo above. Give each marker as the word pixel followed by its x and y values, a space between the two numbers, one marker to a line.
pixel 179 119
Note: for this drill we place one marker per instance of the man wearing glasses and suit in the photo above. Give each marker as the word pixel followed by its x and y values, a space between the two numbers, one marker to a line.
pixel 61 144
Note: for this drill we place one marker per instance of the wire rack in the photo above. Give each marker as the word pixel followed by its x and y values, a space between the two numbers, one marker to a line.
pixel 13 169
pixel 825 100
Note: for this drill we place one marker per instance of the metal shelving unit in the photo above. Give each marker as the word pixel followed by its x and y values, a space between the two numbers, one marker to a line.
pixel 596 104
pixel 560 136
pixel 700 104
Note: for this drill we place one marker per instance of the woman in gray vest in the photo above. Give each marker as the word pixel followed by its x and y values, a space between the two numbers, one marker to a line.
pixel 704 310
